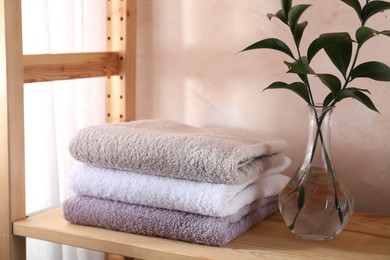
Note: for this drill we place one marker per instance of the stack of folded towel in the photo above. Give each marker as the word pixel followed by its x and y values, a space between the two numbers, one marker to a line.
pixel 162 178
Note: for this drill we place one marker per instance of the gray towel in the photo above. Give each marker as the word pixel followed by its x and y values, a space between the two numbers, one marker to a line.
pixel 168 148
pixel 177 225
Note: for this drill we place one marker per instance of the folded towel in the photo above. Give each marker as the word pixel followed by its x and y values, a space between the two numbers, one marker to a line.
pixel 168 148
pixel 165 223
pixel 204 198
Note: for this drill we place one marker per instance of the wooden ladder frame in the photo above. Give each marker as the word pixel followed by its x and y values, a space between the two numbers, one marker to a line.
pixel 117 64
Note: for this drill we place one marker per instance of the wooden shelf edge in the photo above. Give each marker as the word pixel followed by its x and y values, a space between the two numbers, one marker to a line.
pixel 51 226
pixel 270 240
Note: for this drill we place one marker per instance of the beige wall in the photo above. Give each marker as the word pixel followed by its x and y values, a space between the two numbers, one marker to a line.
pixel 188 71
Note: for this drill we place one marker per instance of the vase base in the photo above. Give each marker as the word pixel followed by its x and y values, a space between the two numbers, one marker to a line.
pixel 314 238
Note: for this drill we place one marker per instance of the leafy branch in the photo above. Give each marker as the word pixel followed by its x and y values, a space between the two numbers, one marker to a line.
pixel 339 47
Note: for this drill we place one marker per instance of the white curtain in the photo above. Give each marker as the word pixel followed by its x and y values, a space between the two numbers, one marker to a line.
pixel 55 111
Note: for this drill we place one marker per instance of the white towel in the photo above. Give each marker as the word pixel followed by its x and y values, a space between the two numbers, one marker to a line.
pixel 210 199
pixel 172 149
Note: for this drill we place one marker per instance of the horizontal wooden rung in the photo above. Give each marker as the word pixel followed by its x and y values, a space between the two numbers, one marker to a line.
pixel 50 67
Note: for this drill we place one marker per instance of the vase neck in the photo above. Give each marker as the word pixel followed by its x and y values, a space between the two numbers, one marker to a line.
pixel 317 151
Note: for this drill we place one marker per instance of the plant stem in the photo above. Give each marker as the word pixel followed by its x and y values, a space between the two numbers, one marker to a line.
pixel 300 187
pixel 319 120
pixel 328 163
pixel 303 77
pixel 348 79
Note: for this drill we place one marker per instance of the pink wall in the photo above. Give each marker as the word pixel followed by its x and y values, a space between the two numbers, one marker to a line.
pixel 188 71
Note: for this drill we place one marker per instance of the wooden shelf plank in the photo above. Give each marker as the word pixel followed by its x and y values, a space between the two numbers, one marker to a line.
pixel 366 237
pixel 49 67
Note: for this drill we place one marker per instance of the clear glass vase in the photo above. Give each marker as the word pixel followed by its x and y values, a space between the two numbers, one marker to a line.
pixel 315 205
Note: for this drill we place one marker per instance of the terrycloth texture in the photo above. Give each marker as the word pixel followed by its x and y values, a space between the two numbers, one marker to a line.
pixel 168 148
pixel 204 198
pixel 165 223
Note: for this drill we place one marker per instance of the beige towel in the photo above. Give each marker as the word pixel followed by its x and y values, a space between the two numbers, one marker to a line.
pixel 168 148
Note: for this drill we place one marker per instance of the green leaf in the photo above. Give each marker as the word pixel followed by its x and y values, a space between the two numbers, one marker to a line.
pixel 327 40
pixel 372 8
pixel 357 95
pixel 363 98
pixel 286 6
pixel 328 99
pixel 355 5
pixel 280 15
pixel 364 33
pixel 314 47
pixel 387 33
pixel 277 84
pixel 299 32
pixel 294 15
pixel 331 81
pixel 360 89
pixel 373 69
pixel 340 51
pixel 299 68
pixel 270 43
pixel 297 87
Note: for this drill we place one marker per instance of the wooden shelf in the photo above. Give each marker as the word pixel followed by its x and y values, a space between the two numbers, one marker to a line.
pixel 367 236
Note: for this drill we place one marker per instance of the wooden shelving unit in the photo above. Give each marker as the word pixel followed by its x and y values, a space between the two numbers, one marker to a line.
pixel 367 236
pixel 117 64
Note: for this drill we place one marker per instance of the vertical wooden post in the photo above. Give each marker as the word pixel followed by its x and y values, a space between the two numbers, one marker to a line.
pixel 121 23
pixel 12 186
pixel 121 37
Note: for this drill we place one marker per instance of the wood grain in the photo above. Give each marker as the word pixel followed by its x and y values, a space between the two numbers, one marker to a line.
pixel 121 37
pixel 270 239
pixel 12 201
pixel 50 67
